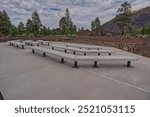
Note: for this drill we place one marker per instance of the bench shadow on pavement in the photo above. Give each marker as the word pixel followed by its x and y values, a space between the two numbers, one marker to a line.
pixel 1 96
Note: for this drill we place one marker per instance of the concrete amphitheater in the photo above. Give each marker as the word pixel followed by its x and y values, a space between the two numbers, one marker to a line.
pixel 28 76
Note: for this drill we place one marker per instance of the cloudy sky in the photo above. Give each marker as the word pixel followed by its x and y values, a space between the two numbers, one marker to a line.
pixel 81 11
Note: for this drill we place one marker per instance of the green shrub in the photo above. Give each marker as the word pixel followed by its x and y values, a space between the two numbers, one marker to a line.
pixel 31 35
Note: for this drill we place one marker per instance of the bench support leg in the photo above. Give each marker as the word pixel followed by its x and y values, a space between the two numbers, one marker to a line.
pixel 62 60
pixel 129 64
pixel 109 54
pixel 44 54
pixel 52 48
pixel 65 51
pixel 74 52
pixel 84 54
pixel 22 46
pixel 32 50
pixel 75 65
pixel 99 54
pixel 48 44
pixel 95 64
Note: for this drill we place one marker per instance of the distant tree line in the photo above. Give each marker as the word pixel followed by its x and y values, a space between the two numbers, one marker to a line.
pixel 34 27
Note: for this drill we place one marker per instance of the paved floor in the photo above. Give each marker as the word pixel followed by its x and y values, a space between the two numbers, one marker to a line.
pixel 24 75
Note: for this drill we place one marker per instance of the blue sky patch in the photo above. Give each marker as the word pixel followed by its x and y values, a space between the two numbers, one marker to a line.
pixel 55 9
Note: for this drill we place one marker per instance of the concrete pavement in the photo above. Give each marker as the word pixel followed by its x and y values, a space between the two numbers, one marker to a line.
pixel 24 75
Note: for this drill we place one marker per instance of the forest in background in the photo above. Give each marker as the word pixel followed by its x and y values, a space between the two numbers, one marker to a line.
pixel 34 26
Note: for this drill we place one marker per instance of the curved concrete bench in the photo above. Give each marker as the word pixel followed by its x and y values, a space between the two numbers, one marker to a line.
pixel 43 42
pixel 85 51
pixel 83 46
pixel 32 43
pixel 76 59
pixel 17 44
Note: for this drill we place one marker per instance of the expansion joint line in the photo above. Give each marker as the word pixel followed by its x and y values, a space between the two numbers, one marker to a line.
pixel 109 78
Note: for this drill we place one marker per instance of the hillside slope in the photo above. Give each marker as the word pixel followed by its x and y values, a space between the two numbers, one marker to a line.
pixel 140 18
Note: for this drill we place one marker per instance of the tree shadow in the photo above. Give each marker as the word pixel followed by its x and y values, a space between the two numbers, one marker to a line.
pixel 1 96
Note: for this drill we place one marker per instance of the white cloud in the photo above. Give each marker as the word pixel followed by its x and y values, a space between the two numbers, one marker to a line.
pixel 81 11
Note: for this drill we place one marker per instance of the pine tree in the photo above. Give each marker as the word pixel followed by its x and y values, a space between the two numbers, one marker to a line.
pixel 96 26
pixel 29 26
pixel 123 18
pixel 13 31
pixel 69 23
pixel 44 31
pixel 66 24
pixel 5 23
pixel 37 25
pixel 79 29
pixel 74 28
pixel 21 28
pixel 53 32
pixel 62 24
pixel 93 25
pixel 49 31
